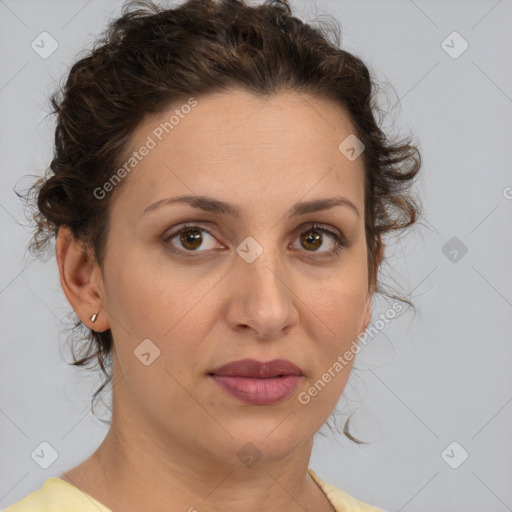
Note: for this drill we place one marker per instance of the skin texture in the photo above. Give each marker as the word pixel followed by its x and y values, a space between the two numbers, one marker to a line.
pixel 175 434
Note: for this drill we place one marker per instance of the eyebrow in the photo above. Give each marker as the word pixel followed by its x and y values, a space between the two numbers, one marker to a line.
pixel 209 204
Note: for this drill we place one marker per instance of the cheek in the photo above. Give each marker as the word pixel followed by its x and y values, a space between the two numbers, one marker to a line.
pixel 165 305
pixel 143 296
pixel 337 312
pixel 339 301
pixel 335 327
pixel 145 303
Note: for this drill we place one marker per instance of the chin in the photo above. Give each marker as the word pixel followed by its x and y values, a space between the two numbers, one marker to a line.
pixel 267 442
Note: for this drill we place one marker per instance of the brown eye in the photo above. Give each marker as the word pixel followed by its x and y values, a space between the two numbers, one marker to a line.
pixel 313 238
pixel 191 238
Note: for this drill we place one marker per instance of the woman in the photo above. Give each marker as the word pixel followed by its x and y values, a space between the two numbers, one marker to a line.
pixel 219 195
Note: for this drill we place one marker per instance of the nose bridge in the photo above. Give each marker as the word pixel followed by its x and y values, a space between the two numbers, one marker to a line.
pixel 266 302
pixel 261 264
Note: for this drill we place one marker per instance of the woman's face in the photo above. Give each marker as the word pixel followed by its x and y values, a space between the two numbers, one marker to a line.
pixel 259 285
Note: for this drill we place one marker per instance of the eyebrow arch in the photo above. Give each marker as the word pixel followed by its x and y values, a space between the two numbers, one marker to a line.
pixel 209 204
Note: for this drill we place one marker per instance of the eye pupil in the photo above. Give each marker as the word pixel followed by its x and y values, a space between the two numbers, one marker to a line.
pixel 194 239
pixel 311 239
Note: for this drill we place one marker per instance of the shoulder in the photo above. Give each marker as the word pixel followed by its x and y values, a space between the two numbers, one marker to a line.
pixel 56 495
pixel 36 501
pixel 340 500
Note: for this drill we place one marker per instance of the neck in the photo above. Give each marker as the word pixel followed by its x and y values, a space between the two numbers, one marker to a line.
pixel 137 469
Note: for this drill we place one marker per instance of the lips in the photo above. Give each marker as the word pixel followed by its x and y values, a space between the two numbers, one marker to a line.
pixel 258 383
pixel 257 369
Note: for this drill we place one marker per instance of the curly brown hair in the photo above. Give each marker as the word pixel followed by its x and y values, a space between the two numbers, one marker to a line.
pixel 152 56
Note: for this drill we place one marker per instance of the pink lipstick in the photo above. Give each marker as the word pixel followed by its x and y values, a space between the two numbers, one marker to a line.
pixel 258 383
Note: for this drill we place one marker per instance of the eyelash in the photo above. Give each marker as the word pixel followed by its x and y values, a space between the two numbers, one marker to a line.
pixel 340 240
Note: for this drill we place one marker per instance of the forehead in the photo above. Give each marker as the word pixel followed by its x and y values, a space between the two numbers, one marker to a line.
pixel 237 145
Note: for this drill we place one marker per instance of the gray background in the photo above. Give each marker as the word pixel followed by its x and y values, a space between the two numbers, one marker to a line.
pixel 424 381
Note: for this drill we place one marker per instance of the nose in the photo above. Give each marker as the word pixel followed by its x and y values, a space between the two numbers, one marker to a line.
pixel 261 297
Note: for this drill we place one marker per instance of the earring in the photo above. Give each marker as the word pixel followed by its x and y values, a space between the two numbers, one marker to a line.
pixel 93 317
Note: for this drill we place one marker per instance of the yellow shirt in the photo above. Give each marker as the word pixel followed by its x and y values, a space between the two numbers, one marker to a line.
pixel 57 495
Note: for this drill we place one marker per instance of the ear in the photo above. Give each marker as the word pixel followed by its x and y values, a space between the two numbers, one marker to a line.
pixel 81 280
pixel 368 314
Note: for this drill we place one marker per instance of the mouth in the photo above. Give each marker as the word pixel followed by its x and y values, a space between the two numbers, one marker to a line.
pixel 258 383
